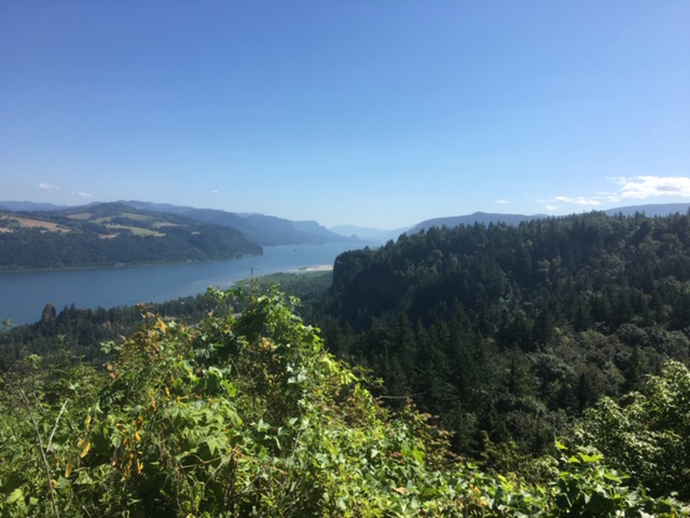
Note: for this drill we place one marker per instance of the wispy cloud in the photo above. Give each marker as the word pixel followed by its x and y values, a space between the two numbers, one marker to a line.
pixel 641 187
pixel 83 194
pixel 501 202
pixel 215 191
pixel 47 186
pixel 635 187
pixel 580 200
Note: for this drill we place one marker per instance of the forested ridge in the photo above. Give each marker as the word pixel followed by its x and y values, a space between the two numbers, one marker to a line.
pixel 110 235
pixel 509 333
pixel 549 361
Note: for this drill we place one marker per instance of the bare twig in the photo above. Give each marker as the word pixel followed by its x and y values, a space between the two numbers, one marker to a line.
pixel 43 454
pixel 410 396
pixel 49 477
pixel 50 440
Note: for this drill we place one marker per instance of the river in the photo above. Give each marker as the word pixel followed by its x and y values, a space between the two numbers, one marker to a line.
pixel 24 294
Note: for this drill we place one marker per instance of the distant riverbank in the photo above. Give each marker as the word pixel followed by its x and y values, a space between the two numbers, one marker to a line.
pixel 318 268
pixel 123 265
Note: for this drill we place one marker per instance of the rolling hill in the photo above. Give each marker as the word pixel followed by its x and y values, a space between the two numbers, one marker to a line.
pixel 112 234
pixel 259 228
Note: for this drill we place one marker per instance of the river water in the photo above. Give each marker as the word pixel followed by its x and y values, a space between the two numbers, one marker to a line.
pixel 24 294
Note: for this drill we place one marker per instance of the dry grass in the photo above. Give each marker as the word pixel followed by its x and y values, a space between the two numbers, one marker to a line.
pixel 136 217
pixel 161 224
pixel 81 215
pixel 34 223
pixel 137 230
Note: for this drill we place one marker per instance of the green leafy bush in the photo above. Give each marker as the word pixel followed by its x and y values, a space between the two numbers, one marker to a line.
pixel 245 414
pixel 648 433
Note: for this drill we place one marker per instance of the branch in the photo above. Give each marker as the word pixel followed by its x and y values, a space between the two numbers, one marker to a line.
pixel 50 440
pixel 410 396
pixel 27 406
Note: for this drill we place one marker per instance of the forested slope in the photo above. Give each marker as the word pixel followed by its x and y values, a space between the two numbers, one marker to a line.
pixel 112 234
pixel 510 333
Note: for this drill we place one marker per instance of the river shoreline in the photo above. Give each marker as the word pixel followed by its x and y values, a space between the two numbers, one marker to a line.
pixel 123 266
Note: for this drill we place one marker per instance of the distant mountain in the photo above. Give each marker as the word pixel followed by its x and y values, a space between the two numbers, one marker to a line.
pixel 471 219
pixel 29 206
pixel 259 228
pixel 369 234
pixel 112 234
pixel 271 231
pixel 659 209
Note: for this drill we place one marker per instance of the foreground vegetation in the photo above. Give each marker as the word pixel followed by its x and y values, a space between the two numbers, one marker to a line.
pixel 245 414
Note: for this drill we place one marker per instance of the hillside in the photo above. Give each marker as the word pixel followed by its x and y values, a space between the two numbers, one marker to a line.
pixel 510 333
pixel 109 235
pixel 258 228
pixel 588 254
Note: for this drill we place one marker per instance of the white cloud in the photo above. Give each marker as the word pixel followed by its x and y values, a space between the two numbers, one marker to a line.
pixel 641 187
pixel 215 191
pixel 501 202
pixel 635 187
pixel 47 186
pixel 580 200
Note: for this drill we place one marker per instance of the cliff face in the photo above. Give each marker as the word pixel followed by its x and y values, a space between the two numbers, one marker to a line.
pixel 49 314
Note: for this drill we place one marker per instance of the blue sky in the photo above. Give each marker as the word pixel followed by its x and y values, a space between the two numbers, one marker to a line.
pixel 377 114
